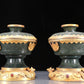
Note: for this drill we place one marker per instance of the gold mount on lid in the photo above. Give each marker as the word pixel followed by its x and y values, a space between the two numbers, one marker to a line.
pixel 16 45
pixel 69 45
pixel 15 25
pixel 16 37
pixel 68 37
pixel 70 25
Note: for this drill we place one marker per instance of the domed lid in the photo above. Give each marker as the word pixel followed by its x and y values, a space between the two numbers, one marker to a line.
pixel 15 35
pixel 69 36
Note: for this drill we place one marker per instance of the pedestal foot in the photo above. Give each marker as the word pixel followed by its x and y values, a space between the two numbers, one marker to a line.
pixel 66 74
pixel 17 74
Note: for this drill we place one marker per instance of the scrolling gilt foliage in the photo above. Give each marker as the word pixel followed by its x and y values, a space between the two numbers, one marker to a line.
pixel 66 74
pixel 17 74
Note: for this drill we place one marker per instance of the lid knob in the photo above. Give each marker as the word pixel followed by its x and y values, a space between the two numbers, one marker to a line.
pixel 69 27
pixel 15 27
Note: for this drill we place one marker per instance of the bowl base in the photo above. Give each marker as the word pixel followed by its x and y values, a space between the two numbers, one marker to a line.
pixel 17 74
pixel 66 74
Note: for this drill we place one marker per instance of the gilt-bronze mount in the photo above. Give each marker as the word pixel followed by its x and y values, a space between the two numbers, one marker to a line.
pixel 15 45
pixel 69 45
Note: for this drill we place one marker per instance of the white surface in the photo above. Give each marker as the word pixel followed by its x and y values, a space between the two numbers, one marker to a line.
pixel 41 78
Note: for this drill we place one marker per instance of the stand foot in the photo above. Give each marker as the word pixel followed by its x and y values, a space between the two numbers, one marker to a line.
pixel 66 74
pixel 17 74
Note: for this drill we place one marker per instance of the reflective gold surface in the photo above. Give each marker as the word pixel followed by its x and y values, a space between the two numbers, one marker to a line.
pixel 42 78
pixel 15 25
pixel 17 74
pixel 31 46
pixel 18 82
pixel 66 74
pixel 55 46
pixel 16 41
pixel 73 25
pixel 67 39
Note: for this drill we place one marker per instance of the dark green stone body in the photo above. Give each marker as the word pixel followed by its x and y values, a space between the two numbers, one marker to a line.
pixel 15 52
pixel 70 49
pixel 70 62
pixel 70 52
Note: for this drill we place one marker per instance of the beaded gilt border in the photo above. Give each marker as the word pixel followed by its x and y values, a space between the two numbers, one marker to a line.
pixel 17 39
pixel 67 39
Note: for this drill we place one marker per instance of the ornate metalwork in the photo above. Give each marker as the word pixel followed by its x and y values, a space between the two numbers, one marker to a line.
pixel 66 74
pixel 67 39
pixel 55 46
pixel 16 39
pixel 17 74
pixel 31 46
pixel 16 45
pixel 70 49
